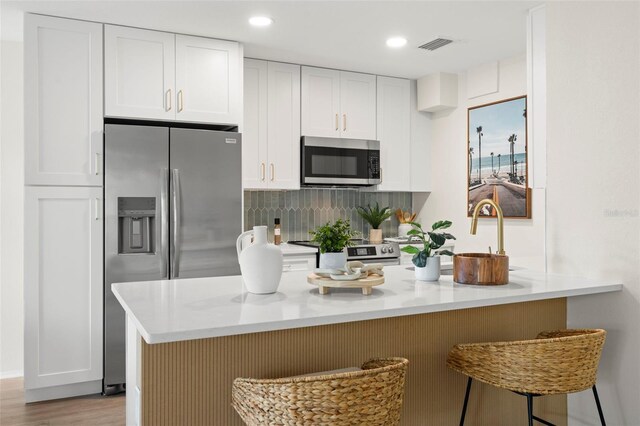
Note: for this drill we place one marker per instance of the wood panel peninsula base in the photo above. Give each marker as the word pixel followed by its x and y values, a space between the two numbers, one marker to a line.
pixel 187 340
pixel 189 382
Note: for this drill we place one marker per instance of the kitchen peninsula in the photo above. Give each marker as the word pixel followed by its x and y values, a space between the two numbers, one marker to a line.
pixel 188 339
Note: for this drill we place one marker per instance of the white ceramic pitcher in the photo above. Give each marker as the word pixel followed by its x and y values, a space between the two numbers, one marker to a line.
pixel 260 262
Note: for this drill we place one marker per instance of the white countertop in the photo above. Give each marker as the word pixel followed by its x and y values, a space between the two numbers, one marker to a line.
pixel 294 249
pixel 174 310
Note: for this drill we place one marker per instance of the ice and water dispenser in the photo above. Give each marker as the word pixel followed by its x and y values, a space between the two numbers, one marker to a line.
pixel 136 223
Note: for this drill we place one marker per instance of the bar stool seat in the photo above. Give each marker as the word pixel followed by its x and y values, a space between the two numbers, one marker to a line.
pixel 372 395
pixel 555 362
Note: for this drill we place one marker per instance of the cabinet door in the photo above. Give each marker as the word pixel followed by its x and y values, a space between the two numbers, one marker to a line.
pixel 284 126
pixel 63 101
pixel 139 73
pixel 298 263
pixel 254 134
pixel 357 105
pixel 208 79
pixel 62 286
pixel 394 132
pixel 320 102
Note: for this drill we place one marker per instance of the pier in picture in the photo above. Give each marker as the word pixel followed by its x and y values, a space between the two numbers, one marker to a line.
pixel 497 157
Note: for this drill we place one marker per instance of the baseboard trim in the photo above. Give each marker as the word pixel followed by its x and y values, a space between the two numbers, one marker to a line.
pixel 63 391
pixel 11 374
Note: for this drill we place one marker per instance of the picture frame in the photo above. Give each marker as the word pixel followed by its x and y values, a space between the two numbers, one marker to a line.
pixel 497 158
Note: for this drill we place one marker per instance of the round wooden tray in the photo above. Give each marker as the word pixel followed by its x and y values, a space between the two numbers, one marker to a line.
pixel 365 284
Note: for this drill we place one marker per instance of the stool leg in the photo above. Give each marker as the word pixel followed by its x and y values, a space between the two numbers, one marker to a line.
pixel 595 394
pixel 466 400
pixel 530 408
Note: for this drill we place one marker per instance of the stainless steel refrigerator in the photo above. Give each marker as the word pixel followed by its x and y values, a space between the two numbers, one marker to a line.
pixel 172 210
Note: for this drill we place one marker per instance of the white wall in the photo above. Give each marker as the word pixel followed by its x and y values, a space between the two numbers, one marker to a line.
pixel 11 200
pixel 593 185
pixel 524 238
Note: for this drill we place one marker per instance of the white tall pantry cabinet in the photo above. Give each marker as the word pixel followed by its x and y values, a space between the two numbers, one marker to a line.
pixel 63 205
pixel 394 132
pixel 271 138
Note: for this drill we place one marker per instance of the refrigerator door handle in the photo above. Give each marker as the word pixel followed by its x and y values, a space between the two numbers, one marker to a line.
pixel 175 217
pixel 164 227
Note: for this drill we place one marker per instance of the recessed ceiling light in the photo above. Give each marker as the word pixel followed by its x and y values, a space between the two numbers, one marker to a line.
pixel 396 41
pixel 260 21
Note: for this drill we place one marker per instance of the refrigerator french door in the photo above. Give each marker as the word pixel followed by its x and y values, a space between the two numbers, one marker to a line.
pixel 172 210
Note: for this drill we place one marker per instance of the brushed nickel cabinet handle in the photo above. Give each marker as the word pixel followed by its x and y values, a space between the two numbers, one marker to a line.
pixel 167 100
pixel 180 101
pixel 337 125
pixel 97 208
pixel 273 172
pixel 262 172
pixel 344 122
pixel 96 165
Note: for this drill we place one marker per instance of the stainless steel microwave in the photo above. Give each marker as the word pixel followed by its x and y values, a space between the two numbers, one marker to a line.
pixel 339 162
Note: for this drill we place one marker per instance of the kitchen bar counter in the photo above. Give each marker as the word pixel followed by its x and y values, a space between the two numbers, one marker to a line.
pixel 187 340
pixel 170 311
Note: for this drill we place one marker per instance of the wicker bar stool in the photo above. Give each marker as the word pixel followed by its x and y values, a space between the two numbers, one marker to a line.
pixel 555 362
pixel 371 396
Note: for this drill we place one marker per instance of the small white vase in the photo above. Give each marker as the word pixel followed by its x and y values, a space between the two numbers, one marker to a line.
pixel 403 229
pixel 431 272
pixel 260 262
pixel 333 260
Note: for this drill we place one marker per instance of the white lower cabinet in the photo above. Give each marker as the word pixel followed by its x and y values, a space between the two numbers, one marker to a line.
pixel 298 262
pixel 63 291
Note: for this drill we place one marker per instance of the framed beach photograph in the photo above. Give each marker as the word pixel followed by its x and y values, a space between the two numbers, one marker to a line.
pixel 497 166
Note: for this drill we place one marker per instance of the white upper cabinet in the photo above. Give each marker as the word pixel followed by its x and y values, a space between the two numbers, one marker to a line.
pixel 139 73
pixel 62 288
pixel 357 105
pixel 338 104
pixel 271 134
pixel 63 102
pixel 208 80
pixel 394 132
pixel 254 133
pixel 164 76
pixel 283 125
pixel 320 102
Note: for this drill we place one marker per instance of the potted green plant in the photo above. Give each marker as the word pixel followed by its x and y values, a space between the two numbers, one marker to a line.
pixel 374 216
pixel 427 260
pixel 333 238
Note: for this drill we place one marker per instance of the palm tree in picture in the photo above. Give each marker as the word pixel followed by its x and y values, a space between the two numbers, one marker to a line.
pixel 492 169
pixel 512 141
pixel 479 131
pixel 470 162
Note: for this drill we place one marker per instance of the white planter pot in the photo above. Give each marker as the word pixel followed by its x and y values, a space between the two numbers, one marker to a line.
pixel 403 229
pixel 333 260
pixel 431 272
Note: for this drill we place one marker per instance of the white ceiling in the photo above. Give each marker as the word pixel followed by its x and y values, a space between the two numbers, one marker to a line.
pixel 336 34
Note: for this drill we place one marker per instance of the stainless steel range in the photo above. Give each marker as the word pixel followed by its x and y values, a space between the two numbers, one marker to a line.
pixel 387 253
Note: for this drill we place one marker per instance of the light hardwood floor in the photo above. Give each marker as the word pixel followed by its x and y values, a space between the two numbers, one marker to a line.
pixel 87 410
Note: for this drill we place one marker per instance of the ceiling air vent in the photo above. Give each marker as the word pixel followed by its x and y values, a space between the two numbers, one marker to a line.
pixel 435 44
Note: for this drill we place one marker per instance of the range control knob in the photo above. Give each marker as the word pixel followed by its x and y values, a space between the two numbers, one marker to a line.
pixel 384 249
pixel 390 249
